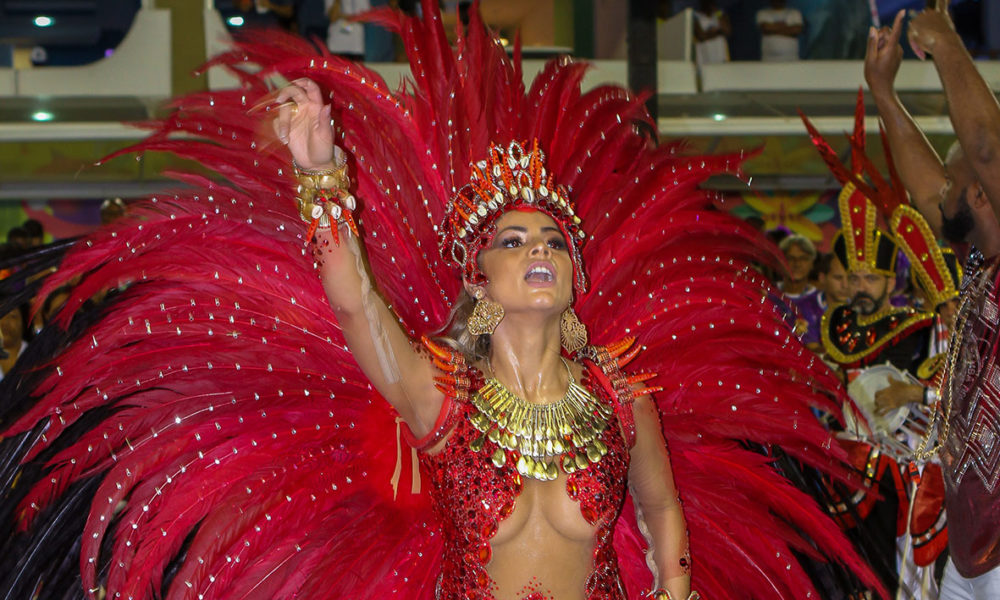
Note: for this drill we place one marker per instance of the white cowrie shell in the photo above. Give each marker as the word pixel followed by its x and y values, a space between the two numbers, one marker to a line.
pixel 317 211
pixel 350 203
pixel 336 211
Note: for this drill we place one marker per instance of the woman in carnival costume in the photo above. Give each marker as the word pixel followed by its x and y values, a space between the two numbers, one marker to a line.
pixel 228 436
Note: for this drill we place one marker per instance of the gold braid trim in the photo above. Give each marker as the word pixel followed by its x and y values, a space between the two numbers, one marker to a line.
pixel 847 358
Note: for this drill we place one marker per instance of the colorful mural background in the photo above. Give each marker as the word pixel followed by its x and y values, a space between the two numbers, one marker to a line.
pixel 812 214
pixel 809 212
pixel 71 164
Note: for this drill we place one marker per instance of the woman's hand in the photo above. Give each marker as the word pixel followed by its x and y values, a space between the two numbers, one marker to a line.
pixel 379 345
pixel 304 125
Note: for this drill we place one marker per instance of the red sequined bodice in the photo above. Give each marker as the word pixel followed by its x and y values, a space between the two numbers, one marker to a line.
pixel 472 496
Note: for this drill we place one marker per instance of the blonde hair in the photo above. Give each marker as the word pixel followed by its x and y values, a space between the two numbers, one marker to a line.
pixel 474 348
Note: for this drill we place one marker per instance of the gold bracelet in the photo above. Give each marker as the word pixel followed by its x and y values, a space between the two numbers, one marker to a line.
pixel 662 594
pixel 323 199
pixel 318 187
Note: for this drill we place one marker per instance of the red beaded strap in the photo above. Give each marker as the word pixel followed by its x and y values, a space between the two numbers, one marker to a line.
pixel 454 383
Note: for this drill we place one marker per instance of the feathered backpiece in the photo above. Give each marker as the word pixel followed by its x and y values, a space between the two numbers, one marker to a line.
pixel 202 431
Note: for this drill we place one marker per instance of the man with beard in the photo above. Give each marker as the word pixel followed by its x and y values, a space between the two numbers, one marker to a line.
pixel 960 199
pixel 899 528
pixel 868 330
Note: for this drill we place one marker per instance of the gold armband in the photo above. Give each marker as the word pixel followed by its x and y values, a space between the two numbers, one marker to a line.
pixel 662 594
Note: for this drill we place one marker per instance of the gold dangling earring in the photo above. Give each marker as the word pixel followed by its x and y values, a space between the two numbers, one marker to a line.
pixel 485 315
pixel 572 332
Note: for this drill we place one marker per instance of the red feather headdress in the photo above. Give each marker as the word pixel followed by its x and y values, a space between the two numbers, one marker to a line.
pixel 936 270
pixel 511 178
pixel 865 245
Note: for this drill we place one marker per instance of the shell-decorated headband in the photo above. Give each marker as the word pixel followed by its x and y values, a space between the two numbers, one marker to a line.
pixel 509 178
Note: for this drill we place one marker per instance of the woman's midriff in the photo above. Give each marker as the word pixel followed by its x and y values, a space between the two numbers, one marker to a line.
pixel 545 548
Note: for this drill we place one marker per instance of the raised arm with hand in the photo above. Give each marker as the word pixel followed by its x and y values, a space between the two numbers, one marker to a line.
pixel 974 111
pixel 373 333
pixel 918 164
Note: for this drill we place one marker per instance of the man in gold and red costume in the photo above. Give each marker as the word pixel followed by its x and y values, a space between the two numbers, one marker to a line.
pixel 869 332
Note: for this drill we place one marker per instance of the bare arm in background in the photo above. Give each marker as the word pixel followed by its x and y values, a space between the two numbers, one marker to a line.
pixel 972 106
pixel 918 164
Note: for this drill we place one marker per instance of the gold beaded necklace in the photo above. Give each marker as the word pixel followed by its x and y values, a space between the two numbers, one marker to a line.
pixel 566 432
pixel 940 421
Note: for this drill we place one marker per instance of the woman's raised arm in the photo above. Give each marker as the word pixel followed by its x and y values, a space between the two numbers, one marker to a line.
pixel 377 341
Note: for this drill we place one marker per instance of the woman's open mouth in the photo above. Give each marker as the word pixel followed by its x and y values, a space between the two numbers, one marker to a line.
pixel 540 272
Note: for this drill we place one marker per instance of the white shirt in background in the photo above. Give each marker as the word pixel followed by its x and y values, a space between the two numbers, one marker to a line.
pixel 343 36
pixel 715 50
pixel 779 47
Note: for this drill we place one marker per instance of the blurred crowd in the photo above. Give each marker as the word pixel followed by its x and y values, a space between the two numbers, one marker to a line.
pixel 906 308
pixel 330 21
pixel 790 30
pixel 15 330
pixel 19 325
